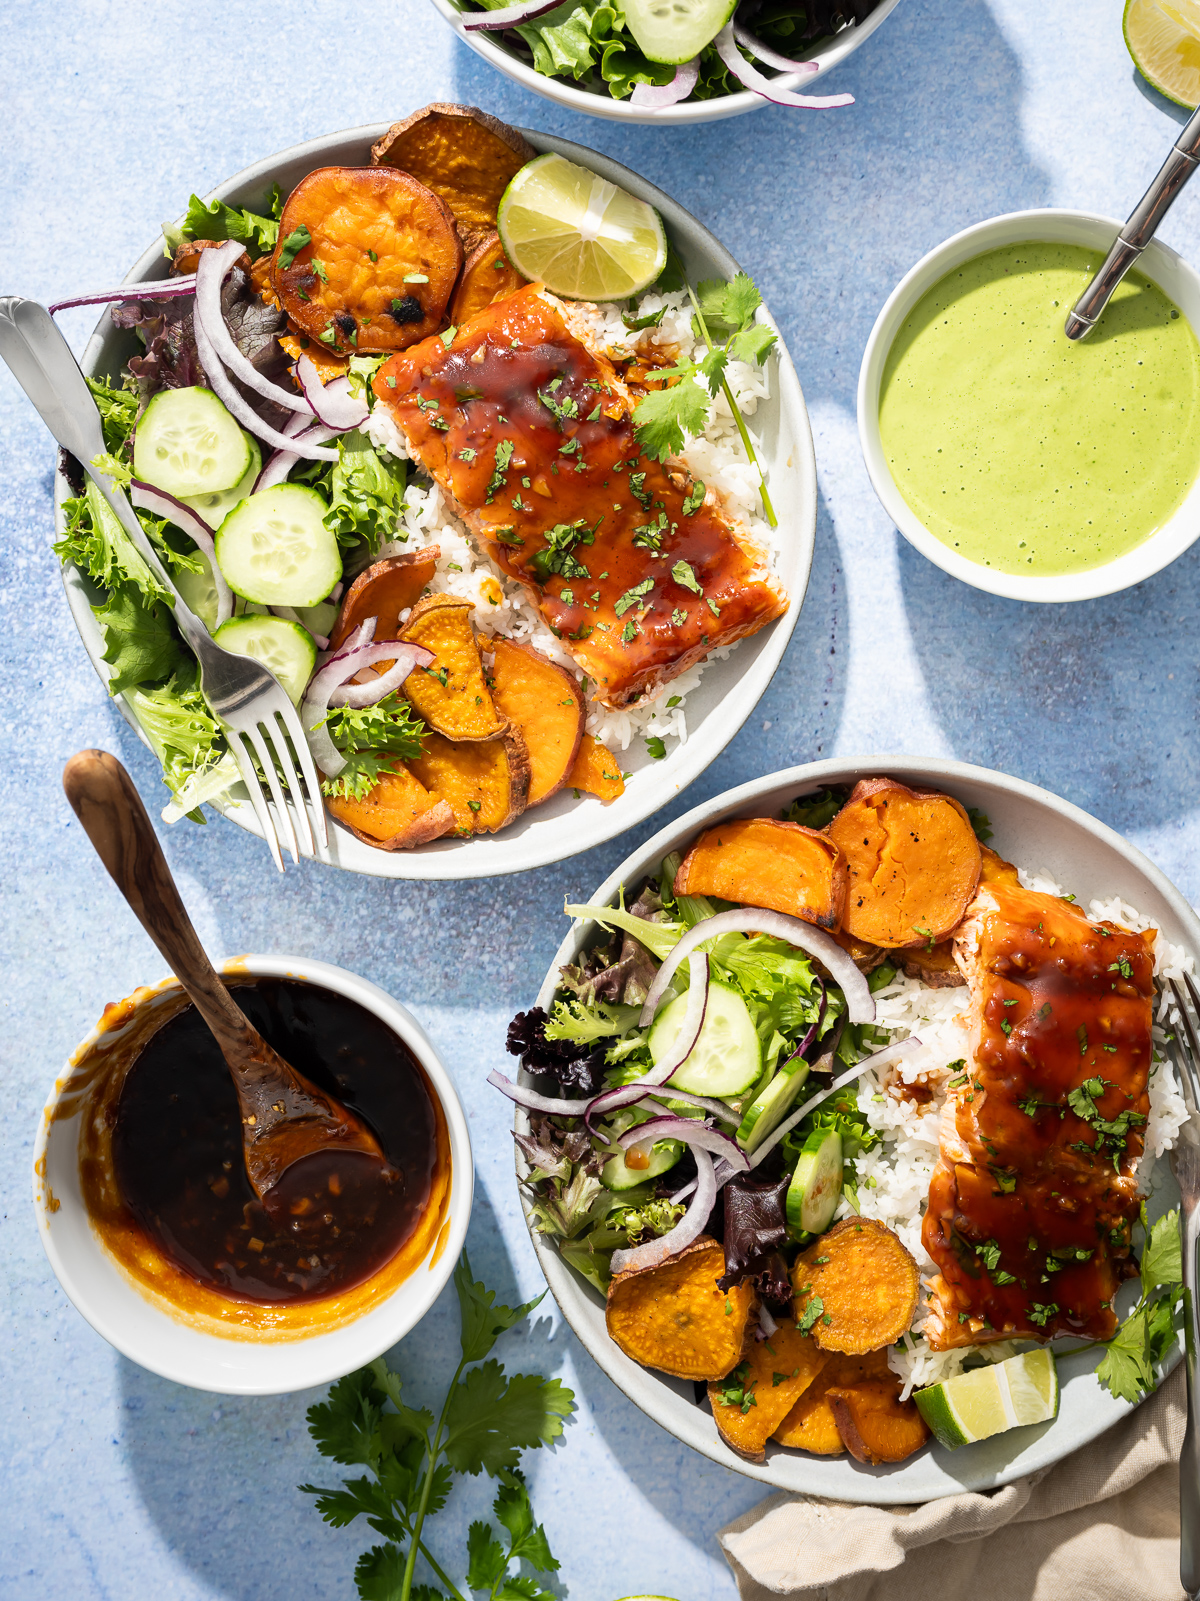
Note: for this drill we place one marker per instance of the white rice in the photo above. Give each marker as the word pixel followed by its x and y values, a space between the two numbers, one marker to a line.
pixel 893 1178
pixel 503 606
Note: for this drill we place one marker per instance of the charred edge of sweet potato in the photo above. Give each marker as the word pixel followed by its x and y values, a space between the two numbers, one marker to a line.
pixel 546 703
pixel 384 590
pixel 673 1317
pixel 396 814
pixel 596 771
pixel 389 256
pixel 935 967
pixel 460 706
pixel 865 957
pixel 866 1281
pixel 761 861
pixel 464 154
pixel 487 275
pixel 875 1424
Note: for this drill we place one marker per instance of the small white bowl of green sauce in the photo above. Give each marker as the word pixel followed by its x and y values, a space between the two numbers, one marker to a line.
pixel 1017 460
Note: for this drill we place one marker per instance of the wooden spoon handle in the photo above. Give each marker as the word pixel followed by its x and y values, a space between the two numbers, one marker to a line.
pixel 103 797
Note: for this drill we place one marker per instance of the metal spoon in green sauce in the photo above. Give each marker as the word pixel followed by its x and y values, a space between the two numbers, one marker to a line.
pixel 1026 452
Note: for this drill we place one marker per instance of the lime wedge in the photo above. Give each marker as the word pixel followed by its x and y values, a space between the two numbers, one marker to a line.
pixel 989 1400
pixel 584 238
pixel 1164 40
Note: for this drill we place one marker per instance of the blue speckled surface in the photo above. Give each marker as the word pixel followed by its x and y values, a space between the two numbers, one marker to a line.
pixel 120 1484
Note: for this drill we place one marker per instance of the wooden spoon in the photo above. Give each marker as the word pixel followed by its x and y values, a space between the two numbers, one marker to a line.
pixel 284 1116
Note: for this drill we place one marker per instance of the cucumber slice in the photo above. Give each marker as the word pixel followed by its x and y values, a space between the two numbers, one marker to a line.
pixel 726 1059
pixel 673 31
pixel 816 1185
pixel 320 619
pixel 275 548
pixel 284 647
pixel 188 444
pixel 769 1108
pixel 216 504
pixel 616 1173
pixel 199 592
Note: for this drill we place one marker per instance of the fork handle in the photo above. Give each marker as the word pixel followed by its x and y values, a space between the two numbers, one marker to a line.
pixel 43 364
pixel 1189 1459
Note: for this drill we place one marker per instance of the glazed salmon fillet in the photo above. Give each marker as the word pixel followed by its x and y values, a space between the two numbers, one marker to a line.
pixel 528 430
pixel 1034 1197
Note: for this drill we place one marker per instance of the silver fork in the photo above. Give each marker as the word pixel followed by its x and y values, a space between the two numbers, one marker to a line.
pixel 246 697
pixel 1184 1047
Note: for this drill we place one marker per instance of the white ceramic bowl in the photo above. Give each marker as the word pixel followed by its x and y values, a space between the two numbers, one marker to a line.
pixel 597 102
pixel 730 689
pixel 143 1329
pixel 1174 276
pixel 1034 829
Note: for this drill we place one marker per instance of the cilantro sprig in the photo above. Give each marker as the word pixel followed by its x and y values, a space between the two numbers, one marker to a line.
pixel 1127 1370
pixel 487 1419
pixel 724 320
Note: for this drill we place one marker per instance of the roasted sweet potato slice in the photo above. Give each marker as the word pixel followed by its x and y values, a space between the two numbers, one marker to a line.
pixel 914 863
pixel 750 1403
pixel 932 964
pixel 811 1424
pixel 874 1423
pixel 675 1319
pixel 544 701
pixel 453 695
pixel 464 155
pixel 298 344
pixel 865 1281
pixel 187 257
pixel 384 590
pixel 487 275
pixel 865 957
pixel 398 813
pixel 380 263
pixel 760 861
pixel 485 783
pixel 596 771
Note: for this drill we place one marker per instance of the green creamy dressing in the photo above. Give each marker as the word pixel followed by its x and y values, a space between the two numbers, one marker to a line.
pixel 1026 451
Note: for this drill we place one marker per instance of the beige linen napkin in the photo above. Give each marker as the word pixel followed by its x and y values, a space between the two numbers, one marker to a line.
pixel 1102 1525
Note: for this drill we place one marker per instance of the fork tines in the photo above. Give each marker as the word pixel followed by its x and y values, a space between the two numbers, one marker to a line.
pixel 274 738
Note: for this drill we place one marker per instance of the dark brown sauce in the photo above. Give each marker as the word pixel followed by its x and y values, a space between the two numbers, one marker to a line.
pixel 177 1150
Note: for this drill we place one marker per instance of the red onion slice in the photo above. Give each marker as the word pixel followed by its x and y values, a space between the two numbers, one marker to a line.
pixel 358 652
pixel 508 17
pixel 749 920
pixel 888 1054
pixel 689 1029
pixel 406 659
pixel 167 289
pixel 697 1135
pixel 772 58
pixel 333 403
pixel 766 1323
pixel 280 463
pixel 616 1100
pixel 222 387
pixel 532 1101
pixel 157 501
pixel 210 274
pixel 651 95
pixel 690 1226
pixel 751 78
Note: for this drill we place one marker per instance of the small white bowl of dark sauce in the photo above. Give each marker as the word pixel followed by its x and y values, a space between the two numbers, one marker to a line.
pixel 148 1220
pixel 986 387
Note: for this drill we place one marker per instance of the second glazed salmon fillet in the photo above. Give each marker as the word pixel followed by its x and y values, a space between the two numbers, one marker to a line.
pixel 1033 1200
pixel 528 430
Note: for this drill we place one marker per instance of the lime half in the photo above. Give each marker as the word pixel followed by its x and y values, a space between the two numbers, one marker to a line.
pixel 989 1400
pixel 1164 40
pixel 584 238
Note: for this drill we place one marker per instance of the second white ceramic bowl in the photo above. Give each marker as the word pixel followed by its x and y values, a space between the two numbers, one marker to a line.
pixel 179 1349
pixel 597 102
pixel 1173 275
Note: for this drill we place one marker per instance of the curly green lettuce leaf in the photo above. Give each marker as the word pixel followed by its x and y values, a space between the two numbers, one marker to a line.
pixel 364 488
pixel 99 546
pixel 140 642
pixel 372 739
pixel 187 740
pixel 587 1022
pixel 216 220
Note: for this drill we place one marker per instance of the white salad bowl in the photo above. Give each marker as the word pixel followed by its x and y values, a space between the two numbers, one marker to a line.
pixel 1034 829
pixel 597 102
pixel 147 1330
pixel 561 826
pixel 1176 277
